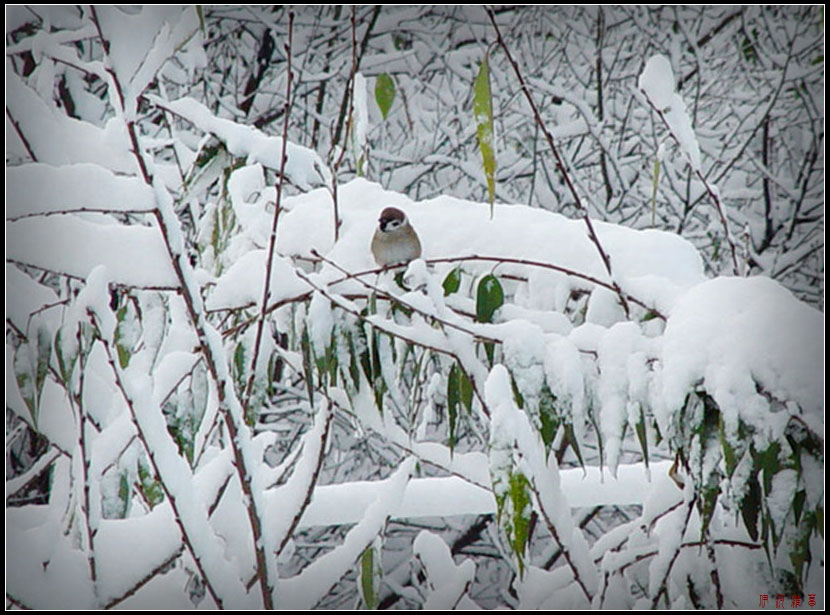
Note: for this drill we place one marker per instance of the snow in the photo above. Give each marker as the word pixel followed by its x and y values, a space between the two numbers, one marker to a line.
pixel 41 188
pixel 657 83
pixel 733 332
pixel 303 165
pixel 45 242
pixel 86 231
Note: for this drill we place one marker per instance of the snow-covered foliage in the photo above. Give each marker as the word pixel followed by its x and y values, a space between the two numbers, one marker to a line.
pixel 214 398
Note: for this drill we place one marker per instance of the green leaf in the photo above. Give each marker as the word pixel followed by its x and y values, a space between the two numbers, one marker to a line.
pixel 459 391
pixel 305 345
pixel 751 506
pixel 465 388
pixel 124 494
pixel 489 298
pixel 378 383
pixel 483 112
pixel 43 354
pixel 654 181
pixel 201 15
pixel 571 437
pixel 770 464
pixel 65 364
pixel 452 282
pixel 122 349
pixel 25 380
pixel 518 530
pixel 548 417
pixel 711 491
pixel 798 504
pixel 384 93
pixel 367 578
pixel 642 435
pixel 152 489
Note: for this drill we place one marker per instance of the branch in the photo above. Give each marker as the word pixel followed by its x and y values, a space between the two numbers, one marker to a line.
pixel 266 291
pixel 709 189
pixel 514 261
pixel 606 261
pixel 211 347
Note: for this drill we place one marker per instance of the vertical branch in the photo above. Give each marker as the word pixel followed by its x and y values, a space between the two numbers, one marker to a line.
pixel 185 528
pixel 592 235
pixel 346 112
pixel 710 190
pixel 210 342
pixel 83 424
pixel 347 108
pixel 603 163
pixel 266 291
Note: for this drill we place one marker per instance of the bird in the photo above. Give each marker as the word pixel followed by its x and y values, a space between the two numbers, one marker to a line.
pixel 395 241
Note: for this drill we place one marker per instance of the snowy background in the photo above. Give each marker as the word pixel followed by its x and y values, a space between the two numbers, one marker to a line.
pixel 602 389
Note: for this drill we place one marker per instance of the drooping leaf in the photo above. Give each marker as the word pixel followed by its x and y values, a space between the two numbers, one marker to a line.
pixel 305 345
pixel 655 179
pixel 483 112
pixel 452 282
pixel 384 93
pixel 25 380
pixel 367 578
pixel 642 436
pixel 548 417
pixel 489 298
pixel 751 505
pixel 43 355
pixel 519 522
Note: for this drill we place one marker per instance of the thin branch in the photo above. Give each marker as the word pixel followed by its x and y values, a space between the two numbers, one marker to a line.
pixel 20 134
pixel 356 313
pixel 514 261
pixel 266 291
pixel 229 405
pixel 606 261
pixel 710 190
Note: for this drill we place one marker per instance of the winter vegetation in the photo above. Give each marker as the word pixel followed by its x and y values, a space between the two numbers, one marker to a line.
pixel 601 385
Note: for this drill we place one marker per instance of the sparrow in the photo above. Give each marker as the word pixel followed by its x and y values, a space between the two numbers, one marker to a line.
pixel 395 241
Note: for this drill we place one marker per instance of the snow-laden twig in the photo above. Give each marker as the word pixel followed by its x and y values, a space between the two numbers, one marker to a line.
pixel 559 163
pixel 272 242
pixel 211 346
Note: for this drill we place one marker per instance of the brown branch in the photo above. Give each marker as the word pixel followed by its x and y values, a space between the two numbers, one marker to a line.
pixel 20 134
pixel 224 388
pixel 709 189
pixel 384 295
pixel 376 325
pixel 559 162
pixel 514 261
pixel 266 291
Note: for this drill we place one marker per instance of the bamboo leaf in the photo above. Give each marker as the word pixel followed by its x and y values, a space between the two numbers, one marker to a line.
pixel 25 380
pixel 654 181
pixel 367 578
pixel 384 93
pixel 453 398
pixel 452 282
pixel 483 112
pixel 489 298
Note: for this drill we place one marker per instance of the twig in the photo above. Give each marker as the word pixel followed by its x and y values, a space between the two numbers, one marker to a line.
pixel 229 405
pixel 709 189
pixel 356 313
pixel 20 134
pixel 514 261
pixel 178 517
pixel 266 292
pixel 559 163
pixel 384 295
